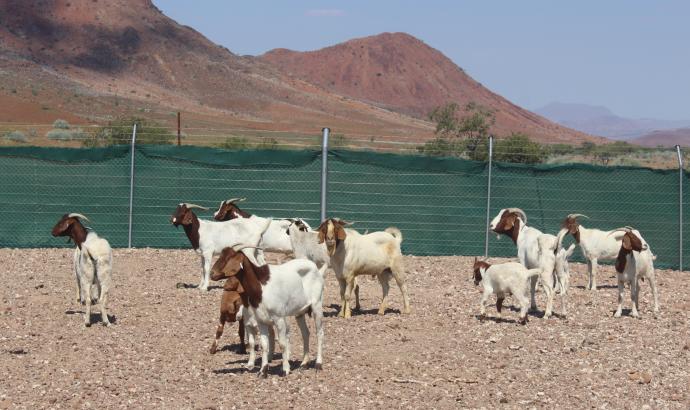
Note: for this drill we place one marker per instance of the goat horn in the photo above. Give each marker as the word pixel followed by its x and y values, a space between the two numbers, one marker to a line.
pixel 521 212
pixel 233 200
pixel 193 206
pixel 623 229
pixel 80 216
pixel 576 215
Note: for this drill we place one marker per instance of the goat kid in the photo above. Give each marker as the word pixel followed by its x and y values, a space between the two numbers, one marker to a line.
pixel 230 305
pixel 353 254
pixel 274 292
pixel 93 264
pixel 510 278
pixel 512 222
pixel 634 263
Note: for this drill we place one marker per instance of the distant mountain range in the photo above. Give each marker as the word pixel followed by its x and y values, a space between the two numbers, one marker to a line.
pixel 91 61
pixel 598 120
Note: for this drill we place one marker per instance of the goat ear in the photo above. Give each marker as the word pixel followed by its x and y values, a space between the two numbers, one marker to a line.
pixel 340 233
pixel 627 245
pixel 322 231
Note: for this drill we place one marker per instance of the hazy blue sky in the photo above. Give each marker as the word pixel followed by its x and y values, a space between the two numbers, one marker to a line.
pixel 632 56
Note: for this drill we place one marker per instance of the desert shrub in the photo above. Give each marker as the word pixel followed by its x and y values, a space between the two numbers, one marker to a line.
pixel 16 136
pixel 120 132
pixel 60 124
pixel 59 135
pixel 267 143
pixel 235 143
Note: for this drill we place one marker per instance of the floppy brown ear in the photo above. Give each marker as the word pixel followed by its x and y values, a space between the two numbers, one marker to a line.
pixel 322 231
pixel 340 233
pixel 627 245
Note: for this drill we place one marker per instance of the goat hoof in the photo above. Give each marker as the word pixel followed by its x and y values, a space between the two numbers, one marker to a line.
pixel 318 366
pixel 263 372
pixel 481 317
pixel 87 324
pixel 107 324
pixel 617 314
pixel 523 321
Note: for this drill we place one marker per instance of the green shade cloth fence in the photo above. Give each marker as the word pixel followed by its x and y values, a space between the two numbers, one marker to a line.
pixel 438 203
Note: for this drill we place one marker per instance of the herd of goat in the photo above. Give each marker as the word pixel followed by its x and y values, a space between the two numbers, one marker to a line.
pixel 262 297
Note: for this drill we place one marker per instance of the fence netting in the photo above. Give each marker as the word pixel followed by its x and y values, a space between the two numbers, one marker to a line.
pixel 438 203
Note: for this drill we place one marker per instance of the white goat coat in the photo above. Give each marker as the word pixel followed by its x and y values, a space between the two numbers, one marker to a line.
pixel 275 239
pixel 216 236
pixel 306 245
pixel 93 265
pixel 292 289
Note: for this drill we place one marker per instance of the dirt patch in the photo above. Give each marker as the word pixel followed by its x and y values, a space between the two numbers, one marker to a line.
pixel 156 353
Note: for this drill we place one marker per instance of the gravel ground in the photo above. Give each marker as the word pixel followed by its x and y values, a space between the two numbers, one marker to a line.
pixel 441 356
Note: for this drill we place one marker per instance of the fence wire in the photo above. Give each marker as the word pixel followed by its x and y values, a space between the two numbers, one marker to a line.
pixel 439 203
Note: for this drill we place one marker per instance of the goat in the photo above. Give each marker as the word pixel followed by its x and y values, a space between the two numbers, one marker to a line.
pixel 275 239
pixel 595 244
pixel 512 222
pixel 230 305
pixel 208 238
pixel 634 263
pixel 352 254
pixel 305 244
pixel 503 279
pixel 274 292
pixel 93 264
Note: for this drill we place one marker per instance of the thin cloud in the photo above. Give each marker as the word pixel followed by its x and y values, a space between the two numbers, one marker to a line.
pixel 325 13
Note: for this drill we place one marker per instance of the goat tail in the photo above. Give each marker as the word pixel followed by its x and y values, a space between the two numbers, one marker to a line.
pixel 396 233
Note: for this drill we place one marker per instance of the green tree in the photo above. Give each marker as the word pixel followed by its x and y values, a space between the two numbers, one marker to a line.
pixel 466 136
pixel 519 148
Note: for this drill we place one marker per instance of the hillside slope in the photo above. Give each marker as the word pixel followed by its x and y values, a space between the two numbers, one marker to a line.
pixel 399 72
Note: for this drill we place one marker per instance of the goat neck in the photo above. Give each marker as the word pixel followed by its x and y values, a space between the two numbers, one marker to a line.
pixel 192 231
pixel 252 278
pixel 77 233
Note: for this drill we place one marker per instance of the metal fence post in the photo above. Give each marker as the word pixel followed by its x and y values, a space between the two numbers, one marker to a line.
pixel 324 172
pixel 488 197
pixel 680 208
pixel 131 187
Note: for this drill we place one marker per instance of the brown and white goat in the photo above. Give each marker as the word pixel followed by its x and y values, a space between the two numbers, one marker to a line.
pixel 230 305
pixel 93 264
pixel 274 292
pixel 353 254
pixel 530 244
pixel 635 262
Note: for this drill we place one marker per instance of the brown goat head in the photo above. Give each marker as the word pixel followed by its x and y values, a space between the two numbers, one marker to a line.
pixel 476 268
pixel 229 210
pixel 332 231
pixel 571 224
pixel 509 224
pixel 184 215
pixel 228 265
pixel 629 243
pixel 70 225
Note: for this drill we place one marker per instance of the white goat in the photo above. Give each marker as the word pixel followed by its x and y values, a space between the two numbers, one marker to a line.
pixel 93 264
pixel 209 238
pixel 634 263
pixel 510 278
pixel 305 244
pixel 273 293
pixel 353 254
pixel 275 239
pixel 595 244
pixel 513 223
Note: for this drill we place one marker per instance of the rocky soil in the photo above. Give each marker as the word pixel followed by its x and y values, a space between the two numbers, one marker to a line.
pixel 440 356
